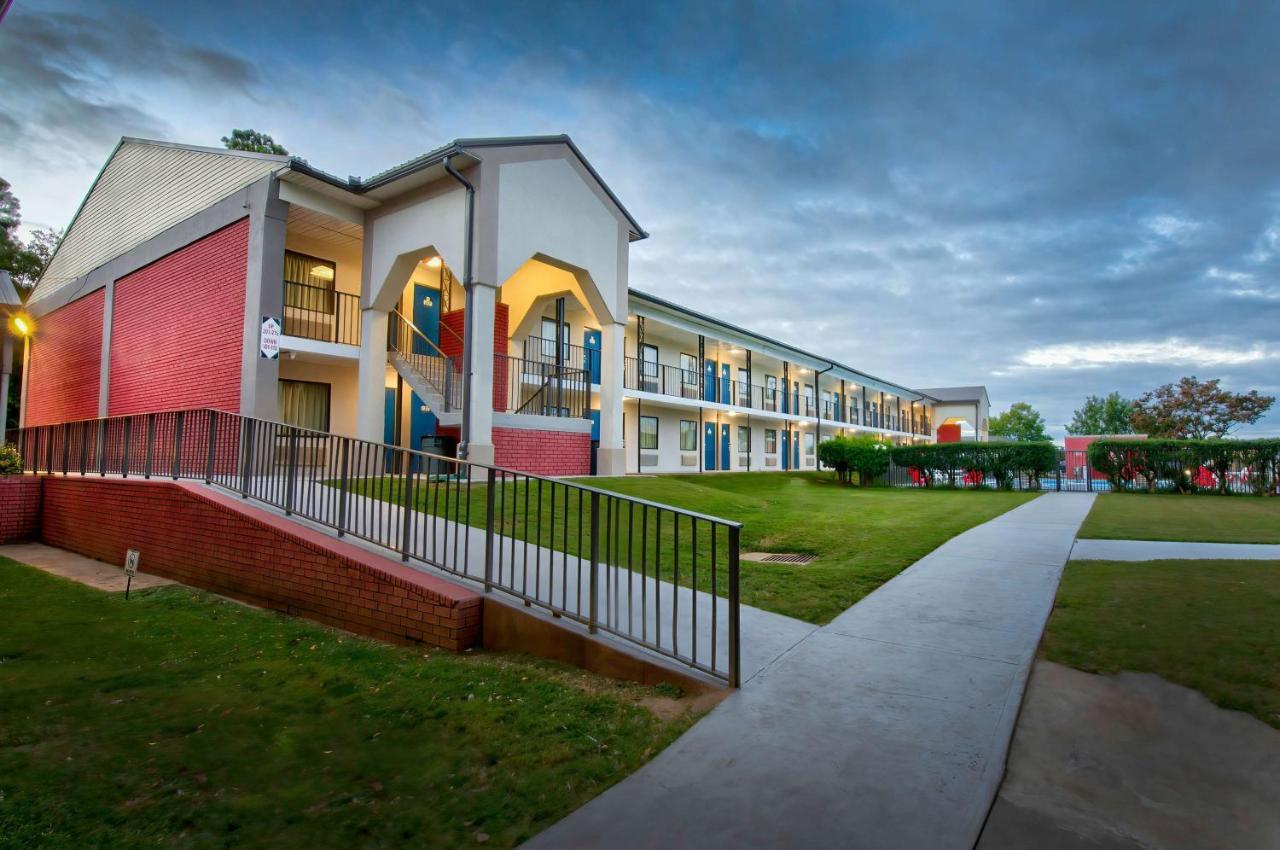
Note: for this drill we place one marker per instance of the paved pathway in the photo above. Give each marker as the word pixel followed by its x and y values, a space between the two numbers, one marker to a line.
pixel 60 562
pixel 887 728
pixel 1156 550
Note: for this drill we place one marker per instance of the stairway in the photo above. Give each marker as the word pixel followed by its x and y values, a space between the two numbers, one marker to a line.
pixel 435 377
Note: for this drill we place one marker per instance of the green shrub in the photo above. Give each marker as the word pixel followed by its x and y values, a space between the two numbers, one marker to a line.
pixel 1188 466
pixel 10 460
pixel 1003 460
pixel 864 455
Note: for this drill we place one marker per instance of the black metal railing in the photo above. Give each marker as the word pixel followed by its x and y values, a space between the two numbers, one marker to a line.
pixel 535 388
pixel 655 576
pixel 538 349
pixel 441 372
pixel 314 312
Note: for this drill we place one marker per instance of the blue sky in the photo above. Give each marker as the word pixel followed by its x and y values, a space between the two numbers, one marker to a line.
pixel 1051 199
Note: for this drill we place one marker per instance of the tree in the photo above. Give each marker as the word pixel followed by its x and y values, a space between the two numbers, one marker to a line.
pixel 252 140
pixel 1100 415
pixel 865 455
pixel 1020 422
pixel 23 261
pixel 1196 410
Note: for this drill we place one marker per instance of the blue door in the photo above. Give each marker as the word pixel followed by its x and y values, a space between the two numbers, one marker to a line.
pixel 426 315
pixel 591 354
pixel 837 409
pixel 709 446
pixel 709 380
pixel 726 396
pixel 786 449
pixel 786 408
pixel 595 425
pixel 795 399
pixel 795 449
pixel 724 447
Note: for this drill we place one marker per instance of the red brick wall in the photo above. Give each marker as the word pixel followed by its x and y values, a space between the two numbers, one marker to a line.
pixel 451 345
pixel 542 452
pixel 65 355
pixel 178 328
pixel 19 508
pixel 537 452
pixel 206 539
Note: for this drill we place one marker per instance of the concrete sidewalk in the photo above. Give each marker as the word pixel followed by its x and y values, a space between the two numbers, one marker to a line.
pixel 887 728
pixel 1159 550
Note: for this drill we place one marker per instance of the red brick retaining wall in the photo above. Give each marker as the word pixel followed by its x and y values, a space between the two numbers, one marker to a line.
pixel 202 538
pixel 19 508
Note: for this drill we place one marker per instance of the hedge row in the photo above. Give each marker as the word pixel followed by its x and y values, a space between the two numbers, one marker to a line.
pixel 1189 466
pixel 955 464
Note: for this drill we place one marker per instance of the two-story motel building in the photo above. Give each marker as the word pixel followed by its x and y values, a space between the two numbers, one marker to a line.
pixel 472 300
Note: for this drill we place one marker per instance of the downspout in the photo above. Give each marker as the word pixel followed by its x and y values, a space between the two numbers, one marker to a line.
pixel 817 401
pixel 468 321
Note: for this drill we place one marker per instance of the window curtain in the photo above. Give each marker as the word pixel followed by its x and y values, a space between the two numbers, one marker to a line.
pixel 309 282
pixel 304 404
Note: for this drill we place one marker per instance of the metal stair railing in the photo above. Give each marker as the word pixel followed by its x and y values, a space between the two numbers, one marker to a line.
pixel 440 371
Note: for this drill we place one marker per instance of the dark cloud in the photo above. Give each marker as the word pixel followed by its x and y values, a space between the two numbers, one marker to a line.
pixel 938 193
pixel 69 83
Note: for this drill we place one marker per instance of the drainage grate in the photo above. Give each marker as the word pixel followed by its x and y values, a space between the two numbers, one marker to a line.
pixel 789 559
pixel 778 558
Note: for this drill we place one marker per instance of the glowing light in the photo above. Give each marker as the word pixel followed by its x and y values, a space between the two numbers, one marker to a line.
pixel 434 263
pixel 22 325
pixel 322 272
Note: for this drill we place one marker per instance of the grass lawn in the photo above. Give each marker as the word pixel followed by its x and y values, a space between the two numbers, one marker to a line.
pixel 862 537
pixel 181 719
pixel 1209 625
pixel 1205 519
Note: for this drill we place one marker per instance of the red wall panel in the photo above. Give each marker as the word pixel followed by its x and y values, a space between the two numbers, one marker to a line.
pixel 65 355
pixel 178 328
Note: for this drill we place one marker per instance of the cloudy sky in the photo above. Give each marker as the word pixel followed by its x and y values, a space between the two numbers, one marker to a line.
pixel 1051 199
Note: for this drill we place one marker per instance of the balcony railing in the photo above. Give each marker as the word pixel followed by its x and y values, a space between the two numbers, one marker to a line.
pixel 314 312
pixel 540 349
pixel 527 386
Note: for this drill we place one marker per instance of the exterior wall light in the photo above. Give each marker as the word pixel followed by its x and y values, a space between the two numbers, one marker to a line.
pixel 434 262
pixel 22 325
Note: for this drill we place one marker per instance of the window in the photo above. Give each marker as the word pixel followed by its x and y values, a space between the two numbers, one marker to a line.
pixel 649 370
pixel 770 392
pixel 744 438
pixel 808 399
pixel 649 432
pixel 770 441
pixel 688 375
pixel 688 436
pixel 826 405
pixel 549 340
pixel 309 282
pixel 304 404
pixel 744 387
pixel 808 443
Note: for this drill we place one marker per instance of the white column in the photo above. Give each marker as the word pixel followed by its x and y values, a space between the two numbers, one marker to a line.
pixel 610 456
pixel 371 375
pixel 481 301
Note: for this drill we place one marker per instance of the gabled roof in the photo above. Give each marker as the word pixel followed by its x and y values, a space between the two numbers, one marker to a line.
pixel 421 169
pixel 132 199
